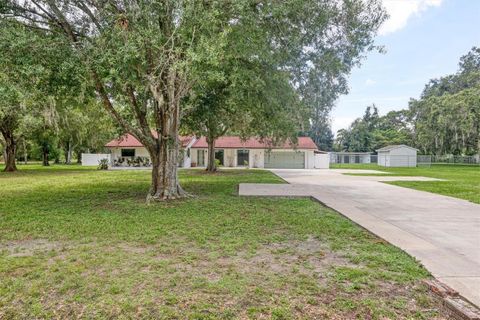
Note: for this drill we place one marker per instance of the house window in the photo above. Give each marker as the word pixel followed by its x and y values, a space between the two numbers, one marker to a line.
pixel 128 152
pixel 242 157
pixel 219 156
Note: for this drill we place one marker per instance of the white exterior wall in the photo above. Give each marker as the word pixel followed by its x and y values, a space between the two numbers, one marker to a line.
pixel 309 159
pixel 93 159
pixel 403 157
pixel 382 159
pixel 398 157
pixel 322 160
pixel 256 158
pixel 187 161
pixel 230 157
pixel 194 155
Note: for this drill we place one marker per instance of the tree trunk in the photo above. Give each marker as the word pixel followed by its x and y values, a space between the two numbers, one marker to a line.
pixel 68 154
pixel 10 151
pixel 165 184
pixel 79 157
pixel 45 157
pixel 164 150
pixel 25 153
pixel 211 166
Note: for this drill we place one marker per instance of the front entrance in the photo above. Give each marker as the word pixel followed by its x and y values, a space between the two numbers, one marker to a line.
pixel 201 158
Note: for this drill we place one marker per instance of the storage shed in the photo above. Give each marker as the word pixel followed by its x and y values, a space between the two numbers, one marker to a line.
pixel 397 156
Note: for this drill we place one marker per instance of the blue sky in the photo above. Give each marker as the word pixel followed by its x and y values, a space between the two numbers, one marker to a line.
pixel 423 39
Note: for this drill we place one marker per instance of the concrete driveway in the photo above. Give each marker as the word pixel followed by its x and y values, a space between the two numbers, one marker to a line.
pixel 443 233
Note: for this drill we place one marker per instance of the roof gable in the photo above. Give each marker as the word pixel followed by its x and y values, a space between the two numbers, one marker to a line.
pixel 396 146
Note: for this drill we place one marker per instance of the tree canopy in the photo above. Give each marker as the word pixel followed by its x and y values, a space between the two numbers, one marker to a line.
pixel 143 59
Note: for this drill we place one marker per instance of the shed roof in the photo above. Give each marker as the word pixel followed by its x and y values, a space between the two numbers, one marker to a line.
pixel 395 146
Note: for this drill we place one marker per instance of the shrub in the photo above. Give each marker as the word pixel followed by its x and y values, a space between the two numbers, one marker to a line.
pixel 103 164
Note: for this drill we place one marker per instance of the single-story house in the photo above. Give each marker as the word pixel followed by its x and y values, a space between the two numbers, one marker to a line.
pixel 397 156
pixel 350 157
pixel 233 152
pixel 230 151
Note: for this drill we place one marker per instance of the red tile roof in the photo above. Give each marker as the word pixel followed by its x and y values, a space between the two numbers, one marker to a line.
pixel 254 143
pixel 129 141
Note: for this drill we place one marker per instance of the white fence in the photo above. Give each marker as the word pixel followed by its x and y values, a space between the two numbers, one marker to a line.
pixel 322 161
pixel 93 159
pixel 451 159
pixel 405 161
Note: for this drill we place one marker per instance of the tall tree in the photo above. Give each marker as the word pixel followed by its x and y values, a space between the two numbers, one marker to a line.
pixel 290 47
pixel 18 77
pixel 140 53
pixel 445 120
pixel 9 110
pixel 38 77
pixel 247 99
pixel 446 117
pixel 373 131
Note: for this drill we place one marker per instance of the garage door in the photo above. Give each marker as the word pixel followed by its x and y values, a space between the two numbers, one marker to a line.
pixel 285 160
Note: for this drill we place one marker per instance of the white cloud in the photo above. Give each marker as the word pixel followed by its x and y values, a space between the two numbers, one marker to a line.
pixel 341 123
pixel 370 82
pixel 401 10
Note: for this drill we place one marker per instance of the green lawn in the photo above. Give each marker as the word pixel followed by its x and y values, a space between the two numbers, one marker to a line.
pixel 462 181
pixel 78 242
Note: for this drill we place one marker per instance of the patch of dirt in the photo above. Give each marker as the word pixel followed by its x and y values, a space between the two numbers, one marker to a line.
pixel 307 256
pixel 25 248
pixel 134 249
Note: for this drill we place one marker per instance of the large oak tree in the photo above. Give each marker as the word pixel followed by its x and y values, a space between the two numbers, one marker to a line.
pixel 140 54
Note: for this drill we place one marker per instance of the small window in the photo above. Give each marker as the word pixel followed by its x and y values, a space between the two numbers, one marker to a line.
pixel 128 152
